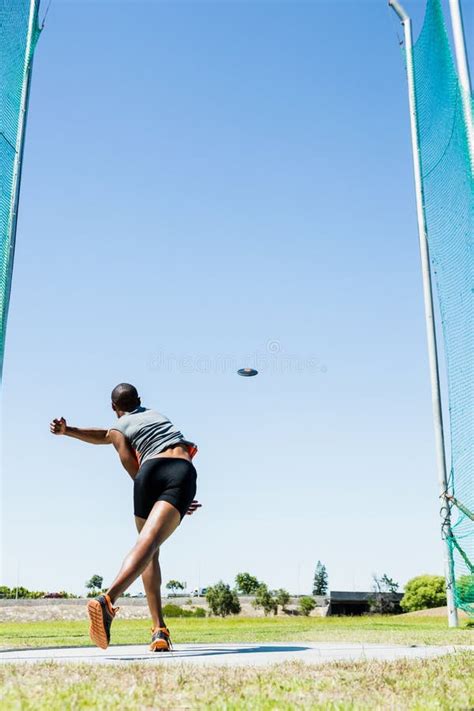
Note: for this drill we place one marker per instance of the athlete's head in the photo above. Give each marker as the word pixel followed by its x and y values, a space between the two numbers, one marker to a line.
pixel 125 398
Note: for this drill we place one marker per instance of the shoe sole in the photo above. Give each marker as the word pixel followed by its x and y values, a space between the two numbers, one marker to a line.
pixel 159 646
pixel 97 631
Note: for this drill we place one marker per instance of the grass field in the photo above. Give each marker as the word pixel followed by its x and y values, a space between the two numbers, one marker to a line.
pixel 439 683
pixel 442 683
pixel 399 629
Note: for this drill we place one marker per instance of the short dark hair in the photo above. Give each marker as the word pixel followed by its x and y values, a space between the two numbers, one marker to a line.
pixel 125 397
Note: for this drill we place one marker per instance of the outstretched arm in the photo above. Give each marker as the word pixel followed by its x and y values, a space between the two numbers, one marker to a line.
pixel 90 435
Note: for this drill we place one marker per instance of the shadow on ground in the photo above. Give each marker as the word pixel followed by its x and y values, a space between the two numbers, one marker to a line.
pixel 211 652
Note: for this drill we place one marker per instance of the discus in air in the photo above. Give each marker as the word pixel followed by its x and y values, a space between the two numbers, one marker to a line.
pixel 247 372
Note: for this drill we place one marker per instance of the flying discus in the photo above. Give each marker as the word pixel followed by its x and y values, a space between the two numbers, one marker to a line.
pixel 247 372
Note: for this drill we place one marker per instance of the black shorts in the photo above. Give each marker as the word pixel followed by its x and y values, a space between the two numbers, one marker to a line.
pixel 168 479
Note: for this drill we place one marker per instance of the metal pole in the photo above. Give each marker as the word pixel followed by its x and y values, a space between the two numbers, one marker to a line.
pixel 20 144
pixel 463 72
pixel 429 311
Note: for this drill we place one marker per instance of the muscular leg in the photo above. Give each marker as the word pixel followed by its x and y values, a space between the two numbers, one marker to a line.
pixel 151 577
pixel 160 524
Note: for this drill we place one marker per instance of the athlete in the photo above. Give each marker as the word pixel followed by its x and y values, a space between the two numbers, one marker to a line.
pixel 159 460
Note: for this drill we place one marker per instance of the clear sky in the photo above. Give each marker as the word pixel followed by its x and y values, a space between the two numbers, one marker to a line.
pixel 207 186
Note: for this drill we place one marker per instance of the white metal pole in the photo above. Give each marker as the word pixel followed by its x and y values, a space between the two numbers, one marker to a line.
pixel 463 72
pixel 429 311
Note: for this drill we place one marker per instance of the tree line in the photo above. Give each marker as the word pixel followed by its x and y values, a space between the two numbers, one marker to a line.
pixel 421 592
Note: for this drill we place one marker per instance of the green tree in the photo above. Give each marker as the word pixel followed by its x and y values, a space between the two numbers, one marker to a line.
pixel 307 604
pixel 95 583
pixel 265 599
pixel 383 601
pixel 174 586
pixel 222 600
pixel 282 597
pixel 423 592
pixel 388 584
pixel 246 584
pixel 320 581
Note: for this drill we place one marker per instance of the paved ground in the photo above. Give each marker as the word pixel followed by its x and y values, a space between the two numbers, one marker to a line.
pixel 228 654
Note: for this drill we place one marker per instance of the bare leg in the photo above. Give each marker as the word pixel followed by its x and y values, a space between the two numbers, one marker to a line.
pixel 160 524
pixel 151 577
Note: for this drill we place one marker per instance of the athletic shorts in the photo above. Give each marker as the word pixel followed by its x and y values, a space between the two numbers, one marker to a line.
pixel 170 479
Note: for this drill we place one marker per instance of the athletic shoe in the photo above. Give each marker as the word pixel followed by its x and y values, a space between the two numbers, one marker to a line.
pixel 101 613
pixel 160 640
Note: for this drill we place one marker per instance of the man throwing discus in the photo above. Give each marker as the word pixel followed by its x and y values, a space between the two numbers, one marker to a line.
pixel 159 460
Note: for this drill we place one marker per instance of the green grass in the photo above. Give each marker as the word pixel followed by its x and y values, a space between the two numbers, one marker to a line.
pixel 438 684
pixel 376 629
pixel 442 683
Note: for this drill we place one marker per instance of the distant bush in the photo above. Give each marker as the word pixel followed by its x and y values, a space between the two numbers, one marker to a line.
pixel 171 610
pixel 265 599
pixel 282 598
pixel 423 592
pixel 19 593
pixel 222 600
pixel 25 594
pixel 307 605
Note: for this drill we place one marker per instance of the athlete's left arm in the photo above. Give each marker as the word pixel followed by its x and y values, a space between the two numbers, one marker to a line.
pixel 125 452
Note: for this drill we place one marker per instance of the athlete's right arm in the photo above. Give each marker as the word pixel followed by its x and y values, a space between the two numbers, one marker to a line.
pixel 90 435
pixel 126 453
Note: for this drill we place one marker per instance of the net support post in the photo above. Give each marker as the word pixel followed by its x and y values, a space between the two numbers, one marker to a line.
pixel 19 149
pixel 429 313
pixel 462 64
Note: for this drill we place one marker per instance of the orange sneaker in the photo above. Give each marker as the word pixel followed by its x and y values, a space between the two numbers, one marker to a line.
pixel 160 640
pixel 101 614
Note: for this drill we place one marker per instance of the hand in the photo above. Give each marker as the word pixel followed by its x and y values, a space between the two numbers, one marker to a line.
pixel 58 426
pixel 195 505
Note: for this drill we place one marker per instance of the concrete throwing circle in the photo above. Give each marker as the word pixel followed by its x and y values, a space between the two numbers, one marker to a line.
pixel 228 654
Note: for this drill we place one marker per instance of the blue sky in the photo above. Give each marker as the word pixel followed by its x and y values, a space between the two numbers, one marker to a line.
pixel 210 185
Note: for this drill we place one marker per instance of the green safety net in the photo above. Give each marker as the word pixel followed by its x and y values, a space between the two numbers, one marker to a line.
pixel 447 177
pixel 19 32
